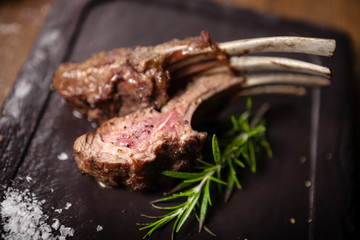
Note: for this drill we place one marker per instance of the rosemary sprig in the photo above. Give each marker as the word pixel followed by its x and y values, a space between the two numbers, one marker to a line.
pixel 239 146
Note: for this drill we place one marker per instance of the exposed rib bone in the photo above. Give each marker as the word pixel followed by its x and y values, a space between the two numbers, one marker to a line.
pixel 275 89
pixel 316 46
pixel 290 79
pixel 197 68
pixel 247 63
pixel 191 60
pixel 323 47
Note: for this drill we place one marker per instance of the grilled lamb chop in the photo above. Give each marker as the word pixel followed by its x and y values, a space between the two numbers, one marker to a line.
pixel 118 82
pixel 134 149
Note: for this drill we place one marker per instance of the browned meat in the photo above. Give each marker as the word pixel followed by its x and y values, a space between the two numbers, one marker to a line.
pixel 133 150
pixel 118 82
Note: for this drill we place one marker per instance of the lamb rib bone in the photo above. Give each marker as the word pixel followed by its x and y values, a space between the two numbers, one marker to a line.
pixel 315 46
pixel 274 89
pixel 252 63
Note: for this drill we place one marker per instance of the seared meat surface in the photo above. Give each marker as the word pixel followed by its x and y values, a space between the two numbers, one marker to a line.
pixel 118 82
pixel 133 150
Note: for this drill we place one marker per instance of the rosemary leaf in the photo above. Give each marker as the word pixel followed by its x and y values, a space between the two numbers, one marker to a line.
pixel 168 207
pixel 183 175
pixel 204 204
pixel 216 150
pixel 252 156
pixel 229 187
pixel 206 164
pixel 190 206
pixel 218 180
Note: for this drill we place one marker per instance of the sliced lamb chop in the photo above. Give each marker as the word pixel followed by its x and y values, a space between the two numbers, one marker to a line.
pixel 133 150
pixel 121 81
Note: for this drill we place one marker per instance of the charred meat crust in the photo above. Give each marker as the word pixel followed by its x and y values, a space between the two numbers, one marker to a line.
pixel 120 81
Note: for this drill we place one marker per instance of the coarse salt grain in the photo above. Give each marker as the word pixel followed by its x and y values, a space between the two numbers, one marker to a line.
pixel 56 224
pixel 66 231
pixel 77 114
pixel 101 184
pixel 58 210
pixel 68 205
pixel 99 228
pixel 22 217
pixel 63 156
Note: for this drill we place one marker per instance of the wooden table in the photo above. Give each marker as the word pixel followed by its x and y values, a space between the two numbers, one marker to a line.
pixel 20 22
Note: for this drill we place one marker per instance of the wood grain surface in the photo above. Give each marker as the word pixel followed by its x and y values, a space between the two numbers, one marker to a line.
pixel 21 20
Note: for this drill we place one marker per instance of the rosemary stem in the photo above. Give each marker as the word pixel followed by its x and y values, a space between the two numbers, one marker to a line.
pixel 206 177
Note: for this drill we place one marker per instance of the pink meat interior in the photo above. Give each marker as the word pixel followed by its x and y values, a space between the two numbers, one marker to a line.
pixel 160 125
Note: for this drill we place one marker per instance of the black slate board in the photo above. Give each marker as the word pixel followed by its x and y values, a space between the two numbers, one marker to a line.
pixel 38 126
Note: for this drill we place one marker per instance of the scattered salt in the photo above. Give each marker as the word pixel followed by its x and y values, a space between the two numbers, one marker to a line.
pixel 58 210
pixel 22 217
pixel 28 178
pixel 99 228
pixel 66 231
pixel 77 114
pixel 56 224
pixel 68 205
pixel 63 156
pixel 101 184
